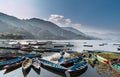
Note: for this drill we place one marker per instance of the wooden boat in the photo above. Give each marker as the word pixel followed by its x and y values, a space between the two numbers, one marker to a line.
pixel 55 49
pixel 30 55
pixel 26 49
pixel 101 44
pixel 92 59
pixel 10 55
pixel 76 69
pixel 12 69
pixel 115 64
pixel 71 62
pixel 11 47
pixel 95 58
pixel 69 45
pixel 26 66
pixel 36 65
pixel 101 59
pixel 10 62
pixel 118 49
pixel 12 66
pixel 70 51
pixel 88 45
pixel 61 59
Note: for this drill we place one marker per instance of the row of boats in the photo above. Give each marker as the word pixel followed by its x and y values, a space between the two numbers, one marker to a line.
pixel 70 67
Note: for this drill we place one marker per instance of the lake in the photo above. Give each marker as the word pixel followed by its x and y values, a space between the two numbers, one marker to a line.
pixel 78 46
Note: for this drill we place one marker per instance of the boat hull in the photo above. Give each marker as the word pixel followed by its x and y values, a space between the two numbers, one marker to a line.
pixel 37 70
pixel 115 64
pixel 76 69
pixel 26 71
pixel 13 66
pixel 26 66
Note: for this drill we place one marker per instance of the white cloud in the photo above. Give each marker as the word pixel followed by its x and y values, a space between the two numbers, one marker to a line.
pixel 76 25
pixel 68 21
pixel 61 21
pixel 55 18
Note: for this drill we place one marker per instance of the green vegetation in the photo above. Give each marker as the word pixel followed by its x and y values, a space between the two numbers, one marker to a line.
pixel 105 68
pixel 109 55
pixel 11 36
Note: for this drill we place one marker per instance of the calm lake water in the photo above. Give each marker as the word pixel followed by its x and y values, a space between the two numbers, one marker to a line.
pixel 91 72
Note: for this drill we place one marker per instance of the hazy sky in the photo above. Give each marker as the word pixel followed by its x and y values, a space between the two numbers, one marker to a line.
pixel 87 15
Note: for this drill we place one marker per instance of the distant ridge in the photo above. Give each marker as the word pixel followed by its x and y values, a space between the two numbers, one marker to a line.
pixel 36 28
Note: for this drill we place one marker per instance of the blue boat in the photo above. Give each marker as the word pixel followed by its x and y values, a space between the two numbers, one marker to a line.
pixel 61 59
pixel 69 62
pixel 11 61
pixel 30 55
pixel 76 69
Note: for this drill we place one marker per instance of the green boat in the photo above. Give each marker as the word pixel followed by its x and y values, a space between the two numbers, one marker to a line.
pixel 115 64
pixel 94 58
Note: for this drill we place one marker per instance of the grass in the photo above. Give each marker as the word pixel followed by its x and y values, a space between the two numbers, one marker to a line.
pixel 105 68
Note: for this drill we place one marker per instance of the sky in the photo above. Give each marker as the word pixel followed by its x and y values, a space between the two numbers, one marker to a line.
pixel 99 16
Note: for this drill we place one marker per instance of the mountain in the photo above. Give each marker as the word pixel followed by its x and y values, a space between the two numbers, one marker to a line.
pixel 73 30
pixel 36 28
pixel 6 28
pixel 80 33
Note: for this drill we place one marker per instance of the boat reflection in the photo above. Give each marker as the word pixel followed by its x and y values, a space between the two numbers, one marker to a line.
pixel 25 72
pixel 12 69
pixel 36 70
pixel 63 74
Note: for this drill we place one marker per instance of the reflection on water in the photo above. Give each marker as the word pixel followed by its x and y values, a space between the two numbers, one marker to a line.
pixel 45 73
pixel 26 72
pixel 10 70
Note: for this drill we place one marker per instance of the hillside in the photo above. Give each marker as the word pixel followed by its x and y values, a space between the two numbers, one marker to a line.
pixel 36 28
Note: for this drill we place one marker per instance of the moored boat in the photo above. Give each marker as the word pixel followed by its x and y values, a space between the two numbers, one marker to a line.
pixel 9 55
pixel 76 69
pixel 36 65
pixel 69 45
pixel 101 59
pixel 71 62
pixel 30 55
pixel 8 62
pixel 14 65
pixel 12 69
pixel 26 66
pixel 94 57
pixel 88 45
pixel 115 64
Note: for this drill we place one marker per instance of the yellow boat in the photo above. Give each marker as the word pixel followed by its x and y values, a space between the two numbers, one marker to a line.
pixel 26 66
